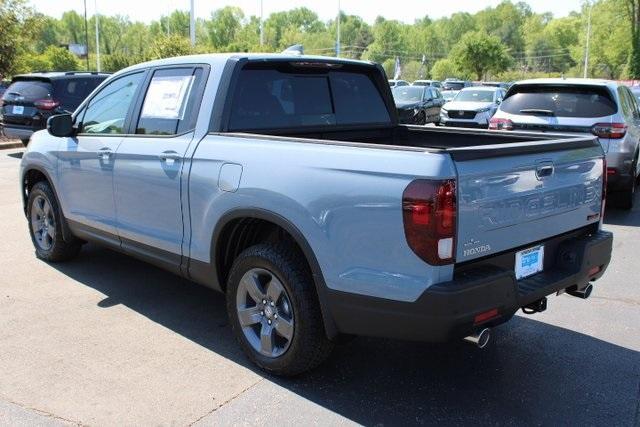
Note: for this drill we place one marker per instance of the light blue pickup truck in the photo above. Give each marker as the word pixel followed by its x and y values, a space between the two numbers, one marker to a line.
pixel 287 183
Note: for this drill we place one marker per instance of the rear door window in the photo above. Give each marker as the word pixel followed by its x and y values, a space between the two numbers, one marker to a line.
pixel 561 101
pixel 168 107
pixel 286 98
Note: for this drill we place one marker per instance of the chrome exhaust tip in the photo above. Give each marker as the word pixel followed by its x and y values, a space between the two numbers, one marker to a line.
pixel 480 338
pixel 583 293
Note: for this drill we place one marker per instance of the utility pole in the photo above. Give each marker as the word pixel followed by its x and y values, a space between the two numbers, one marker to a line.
pixel 192 25
pixel 261 23
pixel 338 32
pixel 586 52
pixel 86 33
pixel 95 3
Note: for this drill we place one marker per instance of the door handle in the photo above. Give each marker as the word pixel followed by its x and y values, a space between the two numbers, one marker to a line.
pixel 105 154
pixel 169 157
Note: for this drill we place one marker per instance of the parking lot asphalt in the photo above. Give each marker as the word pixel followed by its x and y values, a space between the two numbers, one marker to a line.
pixel 106 339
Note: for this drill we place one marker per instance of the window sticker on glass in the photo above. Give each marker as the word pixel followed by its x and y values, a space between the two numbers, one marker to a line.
pixel 166 97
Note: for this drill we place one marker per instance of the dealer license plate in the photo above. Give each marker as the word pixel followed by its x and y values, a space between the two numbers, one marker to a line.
pixel 529 262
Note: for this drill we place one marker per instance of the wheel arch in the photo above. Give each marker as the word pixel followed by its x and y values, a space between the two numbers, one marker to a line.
pixel 275 221
pixel 30 177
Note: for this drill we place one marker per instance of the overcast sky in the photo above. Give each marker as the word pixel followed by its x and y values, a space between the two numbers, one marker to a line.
pixel 403 10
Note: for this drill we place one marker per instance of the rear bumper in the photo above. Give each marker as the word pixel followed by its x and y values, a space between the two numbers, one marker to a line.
pixel 17 132
pixel 446 311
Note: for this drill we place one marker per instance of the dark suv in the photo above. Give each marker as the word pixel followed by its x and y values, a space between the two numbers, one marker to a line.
pixel 32 98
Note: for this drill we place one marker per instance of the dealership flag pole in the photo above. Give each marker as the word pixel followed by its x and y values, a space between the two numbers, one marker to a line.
pixel 586 53
pixel 95 3
pixel 338 32
pixel 192 25
pixel 86 34
pixel 261 23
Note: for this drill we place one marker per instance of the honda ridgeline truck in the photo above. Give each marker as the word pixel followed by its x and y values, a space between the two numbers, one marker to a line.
pixel 287 183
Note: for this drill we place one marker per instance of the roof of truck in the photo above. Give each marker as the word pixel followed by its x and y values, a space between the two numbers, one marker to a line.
pixel 214 59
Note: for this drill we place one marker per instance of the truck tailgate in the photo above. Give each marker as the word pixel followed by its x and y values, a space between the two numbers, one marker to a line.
pixel 513 195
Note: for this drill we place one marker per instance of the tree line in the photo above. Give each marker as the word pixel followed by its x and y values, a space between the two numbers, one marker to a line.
pixel 506 42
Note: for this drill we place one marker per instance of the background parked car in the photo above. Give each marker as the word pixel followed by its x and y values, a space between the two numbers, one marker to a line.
pixel 635 90
pixel 32 98
pixel 434 83
pixel 604 108
pixel 395 83
pixel 472 107
pixel 455 84
pixel 3 87
pixel 502 85
pixel 418 105
pixel 448 95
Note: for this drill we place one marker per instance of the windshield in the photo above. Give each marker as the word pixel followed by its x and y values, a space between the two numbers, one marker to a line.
pixel 561 101
pixel 449 95
pixel 408 94
pixel 475 96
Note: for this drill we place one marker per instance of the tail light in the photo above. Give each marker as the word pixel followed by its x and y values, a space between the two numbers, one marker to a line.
pixel 500 124
pixel 609 130
pixel 46 104
pixel 605 173
pixel 429 212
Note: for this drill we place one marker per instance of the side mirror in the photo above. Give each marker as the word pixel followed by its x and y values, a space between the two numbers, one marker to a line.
pixel 60 125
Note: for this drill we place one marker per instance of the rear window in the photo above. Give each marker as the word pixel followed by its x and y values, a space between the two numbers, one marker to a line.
pixel 284 98
pixel 453 86
pixel 560 101
pixel 27 90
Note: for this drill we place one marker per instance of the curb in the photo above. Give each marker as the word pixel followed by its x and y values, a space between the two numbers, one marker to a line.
pixel 10 145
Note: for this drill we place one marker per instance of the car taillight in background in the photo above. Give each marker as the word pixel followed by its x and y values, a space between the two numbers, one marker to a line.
pixel 500 124
pixel 46 104
pixel 429 212
pixel 609 130
pixel 605 173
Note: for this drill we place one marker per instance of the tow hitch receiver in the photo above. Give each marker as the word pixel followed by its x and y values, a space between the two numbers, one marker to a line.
pixel 535 307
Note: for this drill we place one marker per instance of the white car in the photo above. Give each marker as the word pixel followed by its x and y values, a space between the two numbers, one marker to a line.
pixel 472 107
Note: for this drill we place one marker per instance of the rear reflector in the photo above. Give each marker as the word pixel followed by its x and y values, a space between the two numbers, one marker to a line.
pixel 429 216
pixel 594 270
pixel 500 124
pixel 609 130
pixel 483 317
pixel 611 171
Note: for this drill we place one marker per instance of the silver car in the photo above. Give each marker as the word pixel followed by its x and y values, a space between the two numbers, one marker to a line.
pixel 472 107
pixel 604 108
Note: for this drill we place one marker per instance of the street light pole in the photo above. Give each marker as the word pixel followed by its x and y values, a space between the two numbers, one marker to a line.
pixel 261 23
pixel 86 33
pixel 95 3
pixel 586 53
pixel 338 32
pixel 192 25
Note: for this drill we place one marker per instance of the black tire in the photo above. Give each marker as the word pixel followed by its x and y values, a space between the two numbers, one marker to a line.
pixel 309 345
pixel 25 142
pixel 626 198
pixel 58 250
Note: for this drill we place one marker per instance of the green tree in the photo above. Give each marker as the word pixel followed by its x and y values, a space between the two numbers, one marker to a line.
pixel 72 27
pixel 61 59
pixel 388 41
pixel 480 53
pixel 170 46
pixel 632 9
pixel 224 26
pixel 444 68
pixel 17 21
